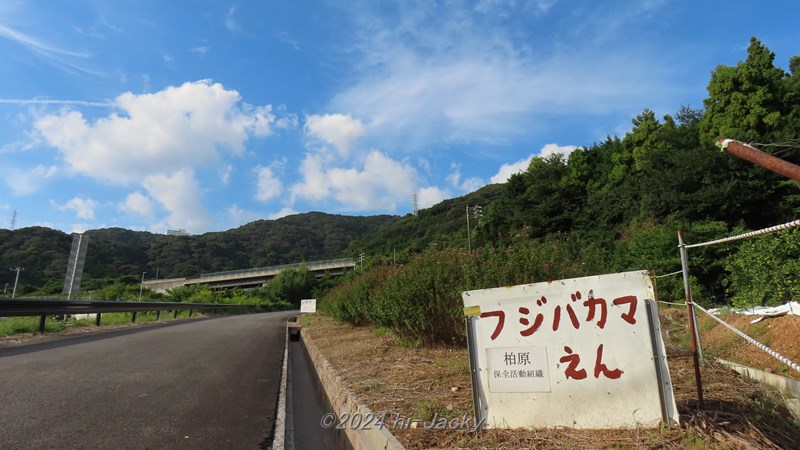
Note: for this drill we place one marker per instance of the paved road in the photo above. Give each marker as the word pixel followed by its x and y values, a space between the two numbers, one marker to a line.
pixel 195 384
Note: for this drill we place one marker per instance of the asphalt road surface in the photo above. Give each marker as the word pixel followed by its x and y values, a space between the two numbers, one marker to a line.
pixel 209 383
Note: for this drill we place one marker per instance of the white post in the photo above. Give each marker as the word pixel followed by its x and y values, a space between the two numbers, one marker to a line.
pixel 141 287
pixel 469 238
pixel 16 280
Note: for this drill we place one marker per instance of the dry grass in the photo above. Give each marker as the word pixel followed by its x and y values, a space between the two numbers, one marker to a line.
pixel 418 383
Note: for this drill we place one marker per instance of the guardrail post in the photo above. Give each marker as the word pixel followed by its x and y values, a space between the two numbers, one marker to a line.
pixel 133 317
pixel 190 313
pixel 158 315
pixel 42 319
pixel 97 320
pixel 175 315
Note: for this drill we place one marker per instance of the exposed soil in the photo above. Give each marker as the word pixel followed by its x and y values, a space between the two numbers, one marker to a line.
pixel 781 334
pixel 419 383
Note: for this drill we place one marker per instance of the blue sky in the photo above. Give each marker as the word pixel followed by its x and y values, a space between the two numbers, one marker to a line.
pixel 205 115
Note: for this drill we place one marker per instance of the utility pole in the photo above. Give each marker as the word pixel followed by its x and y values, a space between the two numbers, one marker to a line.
pixel 361 259
pixel 141 287
pixel 756 156
pixel 16 280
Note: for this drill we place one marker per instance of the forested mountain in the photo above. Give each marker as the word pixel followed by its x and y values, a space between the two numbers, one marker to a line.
pixel 116 252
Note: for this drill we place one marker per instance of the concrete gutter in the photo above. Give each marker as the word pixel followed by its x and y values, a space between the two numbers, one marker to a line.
pixel 345 404
pixel 785 384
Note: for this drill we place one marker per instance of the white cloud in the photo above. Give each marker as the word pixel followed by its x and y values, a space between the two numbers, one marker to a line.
pixel 381 184
pixel 138 204
pixel 241 216
pixel 432 195
pixel 314 185
pixel 200 49
pixel 230 20
pixel 47 101
pixel 282 213
pixel 180 194
pixel 268 186
pixel 83 207
pixel 59 57
pixel 467 185
pixel 439 73
pixel 340 130
pixel 425 165
pixel 24 182
pixel 156 133
pixel 167 58
pixel 506 170
pixel 79 227
pixel 552 149
pixel 506 8
pixel 225 174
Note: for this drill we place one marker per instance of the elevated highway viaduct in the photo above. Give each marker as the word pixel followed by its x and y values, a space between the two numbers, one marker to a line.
pixel 252 277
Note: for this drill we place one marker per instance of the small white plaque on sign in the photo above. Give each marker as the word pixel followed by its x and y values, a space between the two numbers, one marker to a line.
pixel 518 369
pixel 308 306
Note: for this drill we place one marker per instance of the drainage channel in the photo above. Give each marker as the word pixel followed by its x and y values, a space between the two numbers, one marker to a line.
pixel 305 405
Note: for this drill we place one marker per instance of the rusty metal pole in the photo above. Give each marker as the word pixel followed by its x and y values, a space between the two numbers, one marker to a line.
pixel 692 319
pixel 760 158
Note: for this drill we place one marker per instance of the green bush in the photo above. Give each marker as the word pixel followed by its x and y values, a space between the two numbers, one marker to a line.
pixel 764 271
pixel 421 301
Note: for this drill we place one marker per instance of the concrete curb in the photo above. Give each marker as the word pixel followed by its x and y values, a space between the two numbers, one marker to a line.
pixel 785 384
pixel 345 404
pixel 279 436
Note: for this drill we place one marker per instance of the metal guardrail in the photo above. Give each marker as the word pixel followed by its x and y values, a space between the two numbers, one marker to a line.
pixel 48 307
pixel 310 265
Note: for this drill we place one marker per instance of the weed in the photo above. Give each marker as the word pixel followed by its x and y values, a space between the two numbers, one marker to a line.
pixel 371 386
pixel 307 319
pixel 693 442
pixel 427 409
pixel 458 363
pixel 27 325
pixel 382 331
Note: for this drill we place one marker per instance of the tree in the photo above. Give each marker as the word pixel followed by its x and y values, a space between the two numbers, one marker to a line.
pixel 746 102
pixel 764 270
pixel 292 285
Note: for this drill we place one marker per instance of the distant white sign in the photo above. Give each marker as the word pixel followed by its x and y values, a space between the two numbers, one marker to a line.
pixel 308 306
pixel 583 353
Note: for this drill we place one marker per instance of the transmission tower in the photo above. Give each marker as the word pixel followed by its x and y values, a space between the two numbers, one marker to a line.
pixel 13 219
pixel 414 204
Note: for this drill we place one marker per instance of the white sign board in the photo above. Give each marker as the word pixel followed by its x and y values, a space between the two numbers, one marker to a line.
pixel 581 353
pixel 308 306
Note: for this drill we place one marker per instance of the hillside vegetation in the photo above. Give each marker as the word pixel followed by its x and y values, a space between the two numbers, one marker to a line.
pixel 617 205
